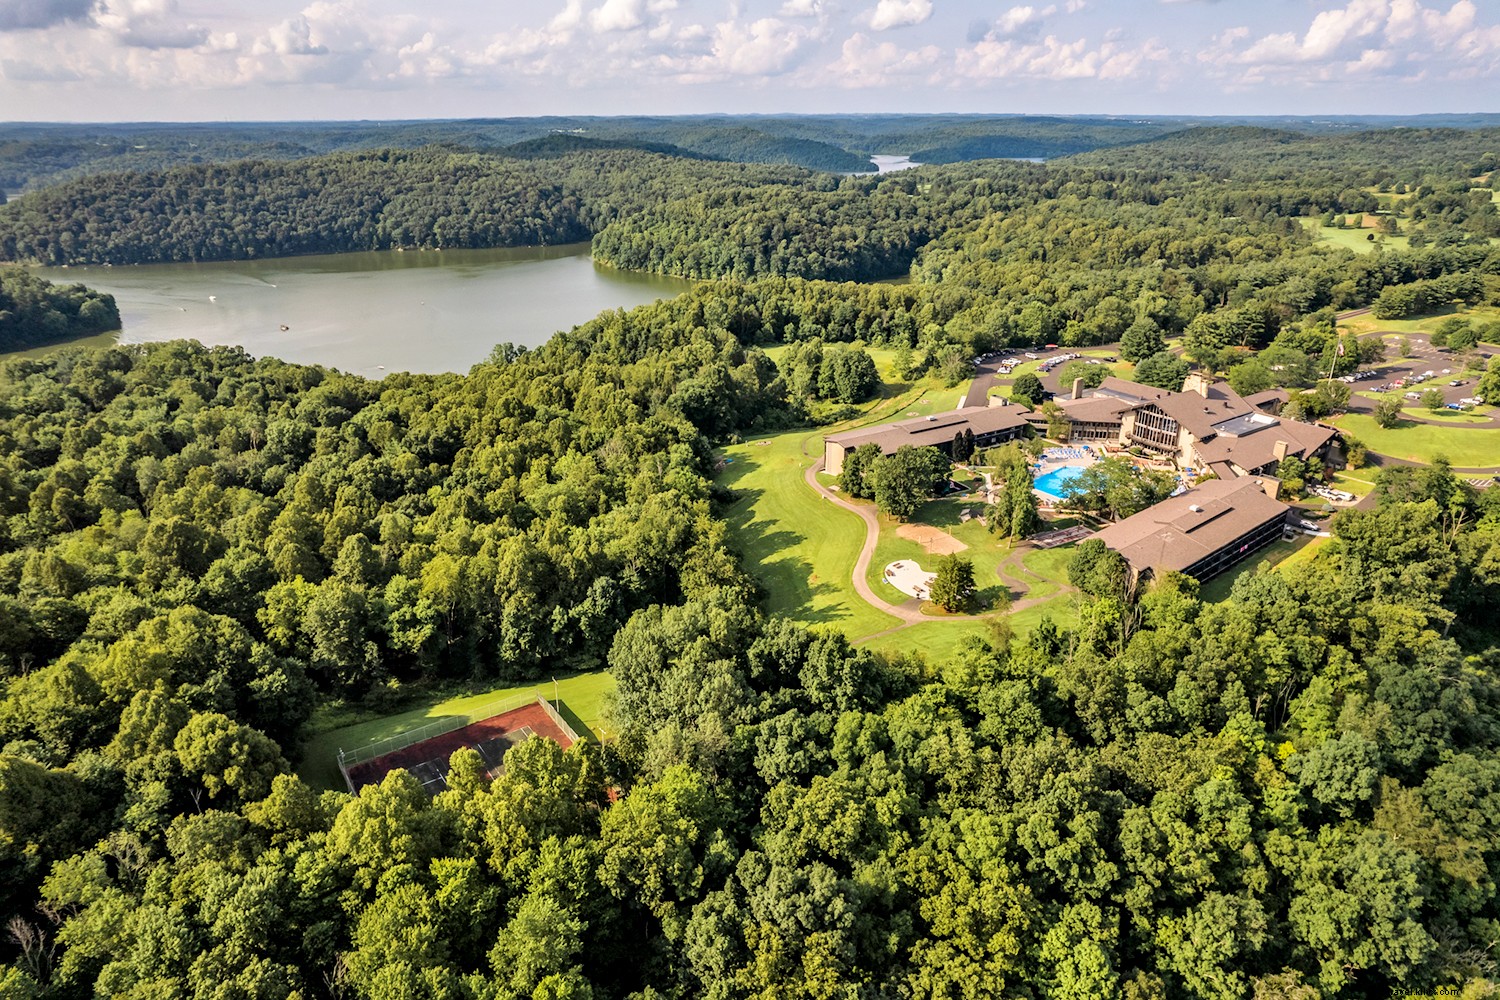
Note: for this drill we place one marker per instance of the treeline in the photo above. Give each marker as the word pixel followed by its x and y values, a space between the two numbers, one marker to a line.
pixel 33 156
pixel 1294 790
pixel 34 311
pixel 431 198
pixel 1290 793
pixel 1420 297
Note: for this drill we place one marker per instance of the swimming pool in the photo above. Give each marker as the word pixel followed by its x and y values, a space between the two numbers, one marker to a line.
pixel 1055 483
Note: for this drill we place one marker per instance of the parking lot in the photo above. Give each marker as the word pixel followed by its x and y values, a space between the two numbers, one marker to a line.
pixel 1443 366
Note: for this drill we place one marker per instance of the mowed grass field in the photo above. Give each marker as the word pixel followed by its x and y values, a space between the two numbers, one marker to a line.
pixel 1419 324
pixel 802 548
pixel 584 700
pixel 1273 557
pixel 1357 240
pixel 1463 446
pixel 799 546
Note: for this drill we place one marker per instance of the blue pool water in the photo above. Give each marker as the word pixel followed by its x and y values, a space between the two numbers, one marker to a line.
pixel 1055 483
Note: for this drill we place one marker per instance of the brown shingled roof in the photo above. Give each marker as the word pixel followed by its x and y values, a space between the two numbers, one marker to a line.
pixel 1173 535
pixel 937 429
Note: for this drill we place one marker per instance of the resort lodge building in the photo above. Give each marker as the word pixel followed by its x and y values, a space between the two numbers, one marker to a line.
pixel 1201 532
pixel 990 425
pixel 1206 426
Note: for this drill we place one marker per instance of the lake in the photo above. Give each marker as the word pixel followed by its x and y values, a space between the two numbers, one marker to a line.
pixel 421 311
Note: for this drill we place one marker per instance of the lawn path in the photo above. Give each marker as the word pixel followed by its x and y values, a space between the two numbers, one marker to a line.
pixel 912 616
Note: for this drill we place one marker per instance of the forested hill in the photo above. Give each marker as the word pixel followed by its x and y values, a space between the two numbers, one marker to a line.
pixel 33 311
pixel 1293 793
pixel 433 197
pixel 36 155
pixel 1358 158
pixel 711 219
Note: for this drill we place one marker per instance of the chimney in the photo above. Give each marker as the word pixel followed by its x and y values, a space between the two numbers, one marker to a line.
pixel 1196 382
pixel 1279 450
pixel 1078 388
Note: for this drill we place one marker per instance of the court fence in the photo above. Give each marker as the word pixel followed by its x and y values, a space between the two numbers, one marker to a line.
pixel 439 727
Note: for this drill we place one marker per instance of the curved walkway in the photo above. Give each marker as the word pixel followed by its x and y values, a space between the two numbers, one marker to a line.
pixel 911 616
pixel 910 612
pixel 1377 458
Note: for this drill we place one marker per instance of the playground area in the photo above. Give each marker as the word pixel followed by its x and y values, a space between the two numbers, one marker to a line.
pixel 426 756
pixel 934 540
pixel 907 576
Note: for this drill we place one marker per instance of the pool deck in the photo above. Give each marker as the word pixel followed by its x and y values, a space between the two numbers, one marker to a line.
pixel 1054 459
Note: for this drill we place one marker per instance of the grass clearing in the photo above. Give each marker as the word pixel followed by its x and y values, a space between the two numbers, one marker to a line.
pixel 798 545
pixel 1449 416
pixel 1273 556
pixel 1425 324
pixel 938 640
pixel 1357 240
pixel 1465 447
pixel 583 698
pixel 802 549
pixel 1360 482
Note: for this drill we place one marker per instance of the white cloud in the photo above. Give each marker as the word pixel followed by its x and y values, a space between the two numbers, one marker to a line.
pixel 1017 18
pixel 765 47
pixel 1053 59
pixel 170 50
pixel 865 63
pixel 1367 37
pixel 889 14
pixel 17 15
pixel 618 15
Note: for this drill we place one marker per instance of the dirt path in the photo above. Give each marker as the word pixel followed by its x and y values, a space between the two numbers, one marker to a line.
pixel 1010 566
pixel 908 614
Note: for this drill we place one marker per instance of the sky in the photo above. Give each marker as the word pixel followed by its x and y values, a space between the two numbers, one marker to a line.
pixel 215 60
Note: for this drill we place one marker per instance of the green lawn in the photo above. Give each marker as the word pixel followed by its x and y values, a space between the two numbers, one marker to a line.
pixel 1463 446
pixel 1448 416
pixel 938 640
pixel 1359 482
pixel 1420 324
pixel 984 550
pixel 1273 556
pixel 583 698
pixel 802 549
pixel 1355 239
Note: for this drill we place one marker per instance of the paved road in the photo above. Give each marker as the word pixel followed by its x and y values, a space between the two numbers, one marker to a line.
pixel 984 377
pixel 910 612
pixel 862 565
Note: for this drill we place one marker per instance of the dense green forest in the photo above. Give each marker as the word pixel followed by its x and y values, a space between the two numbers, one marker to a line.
pixel 36 155
pixel 353 201
pixel 1290 794
pixel 1238 192
pixel 33 155
pixel 33 311
pixel 1293 793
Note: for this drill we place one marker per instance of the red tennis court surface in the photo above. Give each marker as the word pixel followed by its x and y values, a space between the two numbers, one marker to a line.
pixel 428 760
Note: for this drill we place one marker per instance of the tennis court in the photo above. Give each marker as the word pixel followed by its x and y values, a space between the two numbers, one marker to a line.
pixel 490 738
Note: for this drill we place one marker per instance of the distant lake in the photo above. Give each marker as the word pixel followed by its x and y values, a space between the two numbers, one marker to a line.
pixel 887 163
pixel 421 311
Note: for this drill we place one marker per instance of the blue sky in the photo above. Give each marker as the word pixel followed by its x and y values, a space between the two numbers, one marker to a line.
pixel 290 59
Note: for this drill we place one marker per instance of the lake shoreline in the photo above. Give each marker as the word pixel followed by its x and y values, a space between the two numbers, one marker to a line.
pixel 366 312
